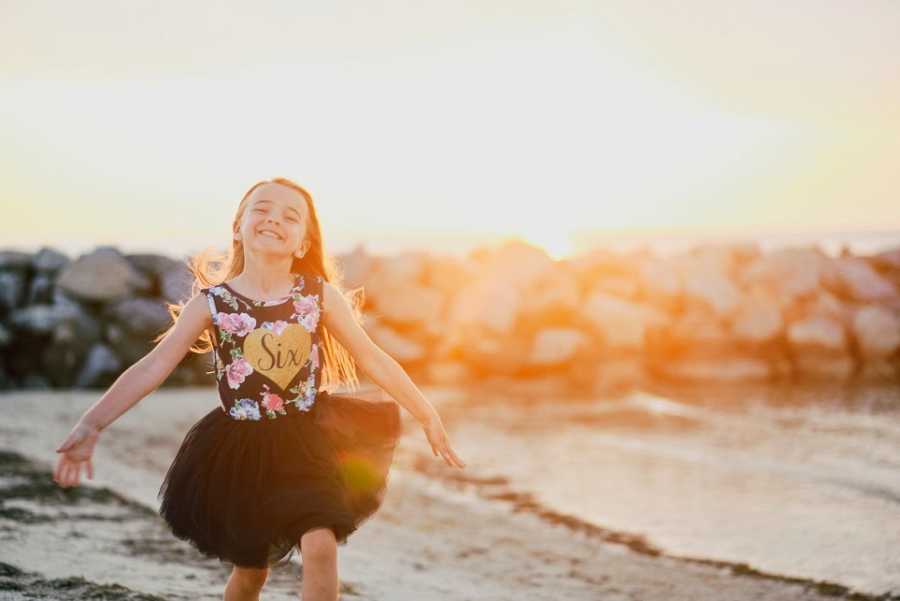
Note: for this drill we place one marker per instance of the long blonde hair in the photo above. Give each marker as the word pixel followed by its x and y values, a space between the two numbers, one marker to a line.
pixel 211 268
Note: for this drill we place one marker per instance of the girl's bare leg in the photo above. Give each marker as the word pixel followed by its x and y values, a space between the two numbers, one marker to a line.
pixel 318 548
pixel 245 584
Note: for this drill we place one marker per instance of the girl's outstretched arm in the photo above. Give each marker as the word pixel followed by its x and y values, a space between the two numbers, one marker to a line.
pixel 136 382
pixel 385 371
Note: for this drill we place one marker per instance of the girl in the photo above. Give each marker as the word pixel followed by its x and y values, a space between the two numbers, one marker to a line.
pixel 280 463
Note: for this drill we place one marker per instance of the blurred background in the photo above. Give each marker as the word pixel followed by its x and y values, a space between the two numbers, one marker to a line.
pixel 644 256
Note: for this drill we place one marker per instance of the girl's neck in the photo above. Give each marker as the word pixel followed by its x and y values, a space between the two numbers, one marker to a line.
pixel 269 280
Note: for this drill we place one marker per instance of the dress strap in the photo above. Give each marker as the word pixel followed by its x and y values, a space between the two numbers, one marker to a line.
pixel 215 336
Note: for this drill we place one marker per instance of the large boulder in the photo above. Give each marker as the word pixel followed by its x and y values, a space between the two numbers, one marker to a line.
pixel 758 319
pixel 622 324
pixel 858 280
pixel 707 281
pixel 167 278
pixel 101 276
pixel 485 305
pixel 877 331
pixel 789 273
pixel 818 333
pixel 556 346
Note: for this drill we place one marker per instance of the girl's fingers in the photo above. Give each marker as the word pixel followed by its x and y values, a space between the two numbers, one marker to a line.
pixel 58 468
pixel 64 475
pixel 90 469
pixel 72 474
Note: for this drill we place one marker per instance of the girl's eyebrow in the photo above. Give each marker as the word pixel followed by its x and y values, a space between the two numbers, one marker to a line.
pixel 262 200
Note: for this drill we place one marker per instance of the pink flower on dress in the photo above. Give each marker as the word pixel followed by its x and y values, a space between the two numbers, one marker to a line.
pixel 239 324
pixel 307 310
pixel 237 371
pixel 272 401
pixel 276 327
pixel 314 357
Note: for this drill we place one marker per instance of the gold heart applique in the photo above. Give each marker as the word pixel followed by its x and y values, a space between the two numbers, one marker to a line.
pixel 278 357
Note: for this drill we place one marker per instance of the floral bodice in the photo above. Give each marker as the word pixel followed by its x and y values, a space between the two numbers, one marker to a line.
pixel 266 353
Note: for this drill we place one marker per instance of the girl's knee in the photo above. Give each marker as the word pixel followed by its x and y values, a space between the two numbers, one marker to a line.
pixel 251 578
pixel 318 544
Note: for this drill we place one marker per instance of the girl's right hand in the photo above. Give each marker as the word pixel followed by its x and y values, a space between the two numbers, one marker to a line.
pixel 76 451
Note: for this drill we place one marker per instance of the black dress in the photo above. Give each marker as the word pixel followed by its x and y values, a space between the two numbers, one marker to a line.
pixel 278 456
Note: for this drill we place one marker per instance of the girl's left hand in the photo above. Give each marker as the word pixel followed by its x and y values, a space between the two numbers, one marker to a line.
pixel 75 454
pixel 440 443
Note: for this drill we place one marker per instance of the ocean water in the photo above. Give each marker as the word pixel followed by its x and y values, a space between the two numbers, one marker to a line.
pixel 795 481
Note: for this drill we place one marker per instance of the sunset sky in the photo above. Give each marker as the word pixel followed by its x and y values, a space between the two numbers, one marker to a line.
pixel 439 124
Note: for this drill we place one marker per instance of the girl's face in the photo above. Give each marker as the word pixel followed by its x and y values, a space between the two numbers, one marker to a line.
pixel 274 221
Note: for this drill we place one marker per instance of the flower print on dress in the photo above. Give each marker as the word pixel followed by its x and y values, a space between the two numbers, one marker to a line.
pixel 272 403
pixel 277 327
pixel 313 357
pixel 306 308
pixel 245 409
pixel 237 371
pixel 225 295
pixel 236 324
pixel 306 392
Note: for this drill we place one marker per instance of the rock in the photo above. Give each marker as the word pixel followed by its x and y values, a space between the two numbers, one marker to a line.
pixel 353 267
pixel 41 290
pixel 15 260
pixel 889 259
pixel 447 372
pixel 659 281
pixel 704 279
pixel 49 261
pixel 447 274
pixel 485 304
pixel 168 279
pixel 823 304
pixel 12 290
pixel 877 331
pixel 141 317
pixel 101 276
pixel 622 324
pixel 100 369
pixel 726 257
pixel 516 264
pixel 789 273
pixel 758 320
pixel 490 354
pixel 402 349
pixel 41 319
pixel 858 280
pixel 555 294
pixel 410 304
pixel 392 273
pixel 554 346
pixel 817 332
pixel 623 287
pixel 698 329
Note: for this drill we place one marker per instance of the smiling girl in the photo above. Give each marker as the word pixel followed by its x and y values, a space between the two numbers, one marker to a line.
pixel 281 463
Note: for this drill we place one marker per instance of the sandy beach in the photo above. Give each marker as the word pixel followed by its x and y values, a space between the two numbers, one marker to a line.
pixel 441 534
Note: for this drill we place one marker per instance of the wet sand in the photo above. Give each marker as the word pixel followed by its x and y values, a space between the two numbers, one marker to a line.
pixel 442 534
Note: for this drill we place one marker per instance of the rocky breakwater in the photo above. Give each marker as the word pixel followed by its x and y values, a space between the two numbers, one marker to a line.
pixel 508 314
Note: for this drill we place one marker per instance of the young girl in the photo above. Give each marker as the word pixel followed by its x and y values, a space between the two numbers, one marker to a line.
pixel 280 463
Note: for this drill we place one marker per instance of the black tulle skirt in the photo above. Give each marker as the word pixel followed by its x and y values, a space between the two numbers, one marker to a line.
pixel 245 491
